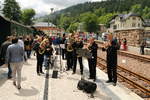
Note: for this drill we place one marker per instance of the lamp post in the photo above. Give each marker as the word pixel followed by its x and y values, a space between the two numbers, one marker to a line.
pixel 49 20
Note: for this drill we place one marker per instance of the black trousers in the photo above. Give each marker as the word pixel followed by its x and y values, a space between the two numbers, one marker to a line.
pixel 69 60
pixel 40 59
pixel 142 50
pixel 92 67
pixel 112 73
pixel 75 64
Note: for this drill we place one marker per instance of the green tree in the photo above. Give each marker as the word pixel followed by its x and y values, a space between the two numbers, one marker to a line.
pixel 65 21
pixel 106 18
pixel 99 12
pixel 137 9
pixel 12 10
pixel 73 27
pixel 146 13
pixel 27 16
pixel 90 22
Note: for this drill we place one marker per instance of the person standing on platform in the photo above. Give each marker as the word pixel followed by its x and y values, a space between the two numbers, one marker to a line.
pixel 125 44
pixel 63 47
pixel 92 47
pixel 142 46
pixel 111 48
pixel 40 55
pixel 78 44
pixel 15 56
pixel 69 52
pixel 3 54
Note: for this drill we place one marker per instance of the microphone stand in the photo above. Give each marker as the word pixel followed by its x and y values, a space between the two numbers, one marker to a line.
pixel 60 59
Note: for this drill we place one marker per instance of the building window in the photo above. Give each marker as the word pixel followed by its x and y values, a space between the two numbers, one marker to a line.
pixel 139 25
pixel 139 19
pixel 134 18
pixel 133 25
pixel 115 27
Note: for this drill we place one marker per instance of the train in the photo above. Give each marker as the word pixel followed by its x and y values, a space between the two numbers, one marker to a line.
pixel 9 27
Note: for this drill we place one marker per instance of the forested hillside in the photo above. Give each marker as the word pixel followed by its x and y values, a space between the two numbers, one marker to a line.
pixel 93 13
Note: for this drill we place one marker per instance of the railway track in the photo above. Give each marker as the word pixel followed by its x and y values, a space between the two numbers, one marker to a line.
pixel 128 54
pixel 137 83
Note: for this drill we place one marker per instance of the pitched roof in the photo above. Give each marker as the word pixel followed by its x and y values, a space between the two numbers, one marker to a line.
pixel 43 24
pixel 147 22
pixel 125 16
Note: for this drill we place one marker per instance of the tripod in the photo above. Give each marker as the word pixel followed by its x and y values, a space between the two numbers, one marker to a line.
pixel 62 69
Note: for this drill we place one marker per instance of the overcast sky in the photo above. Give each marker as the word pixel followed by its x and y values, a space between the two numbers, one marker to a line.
pixel 42 7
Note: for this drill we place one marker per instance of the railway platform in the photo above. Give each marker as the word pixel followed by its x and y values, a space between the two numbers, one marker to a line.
pixel 64 87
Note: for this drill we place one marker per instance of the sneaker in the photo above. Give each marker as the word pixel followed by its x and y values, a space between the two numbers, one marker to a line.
pixel 38 74
pixel 90 78
pixel 94 79
pixel 14 83
pixel 114 84
pixel 108 81
pixel 9 77
pixel 42 72
pixel 19 87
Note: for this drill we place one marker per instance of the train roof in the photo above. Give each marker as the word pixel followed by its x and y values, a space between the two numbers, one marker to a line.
pixel 14 22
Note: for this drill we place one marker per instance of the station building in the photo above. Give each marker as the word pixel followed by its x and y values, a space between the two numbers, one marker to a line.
pixel 130 26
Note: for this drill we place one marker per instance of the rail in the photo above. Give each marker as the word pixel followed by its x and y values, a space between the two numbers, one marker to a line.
pixel 132 80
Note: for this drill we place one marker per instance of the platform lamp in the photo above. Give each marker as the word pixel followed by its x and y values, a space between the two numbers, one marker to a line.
pixel 49 20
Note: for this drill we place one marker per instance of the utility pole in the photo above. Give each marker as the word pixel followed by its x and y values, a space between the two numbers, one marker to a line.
pixel 49 20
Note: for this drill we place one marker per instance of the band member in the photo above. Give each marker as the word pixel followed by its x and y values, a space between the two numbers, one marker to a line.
pixel 48 53
pixel 111 49
pixel 39 55
pixel 69 53
pixel 78 44
pixel 63 47
pixel 92 47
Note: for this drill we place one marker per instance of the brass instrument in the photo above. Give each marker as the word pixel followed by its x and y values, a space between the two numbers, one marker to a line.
pixel 41 51
pixel 69 47
pixel 42 47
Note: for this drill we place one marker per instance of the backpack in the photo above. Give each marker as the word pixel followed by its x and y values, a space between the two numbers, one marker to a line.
pixel 87 86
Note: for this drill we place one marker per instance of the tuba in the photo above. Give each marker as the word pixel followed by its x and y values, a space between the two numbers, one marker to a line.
pixel 41 51
pixel 42 47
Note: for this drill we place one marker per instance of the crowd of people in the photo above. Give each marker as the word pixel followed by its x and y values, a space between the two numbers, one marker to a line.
pixel 17 49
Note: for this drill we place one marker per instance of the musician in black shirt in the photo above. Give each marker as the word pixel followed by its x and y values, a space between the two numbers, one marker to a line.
pixel 78 44
pixel 92 47
pixel 111 48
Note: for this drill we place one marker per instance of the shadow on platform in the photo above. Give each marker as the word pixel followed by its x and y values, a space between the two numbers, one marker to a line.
pixel 27 92
pixel 3 77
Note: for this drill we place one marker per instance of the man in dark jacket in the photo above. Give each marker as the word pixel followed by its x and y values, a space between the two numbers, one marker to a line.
pixel 3 54
pixel 112 62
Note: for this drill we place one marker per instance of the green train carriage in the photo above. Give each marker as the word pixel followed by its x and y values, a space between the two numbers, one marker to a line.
pixel 9 27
